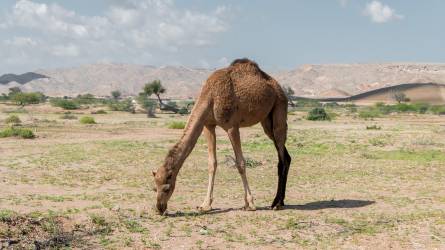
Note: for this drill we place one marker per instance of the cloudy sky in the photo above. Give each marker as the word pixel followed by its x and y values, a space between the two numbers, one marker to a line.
pixel 280 34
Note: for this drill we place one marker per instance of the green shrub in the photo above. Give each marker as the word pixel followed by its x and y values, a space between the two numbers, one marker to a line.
pixel 318 114
pixel 308 103
pixel 22 98
pixel 99 112
pixel 13 119
pixel 87 120
pixel 17 132
pixel 124 105
pixel 176 125
pixel 438 109
pixel 64 103
pixel 183 111
pixel 373 127
pixel 369 113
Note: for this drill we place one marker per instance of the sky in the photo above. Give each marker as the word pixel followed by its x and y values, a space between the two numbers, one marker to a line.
pixel 279 35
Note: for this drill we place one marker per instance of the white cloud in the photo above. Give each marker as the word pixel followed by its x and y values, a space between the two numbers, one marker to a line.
pixel 381 13
pixel 69 50
pixel 128 30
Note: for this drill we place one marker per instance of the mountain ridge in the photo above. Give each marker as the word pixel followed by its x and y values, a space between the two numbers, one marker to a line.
pixel 309 80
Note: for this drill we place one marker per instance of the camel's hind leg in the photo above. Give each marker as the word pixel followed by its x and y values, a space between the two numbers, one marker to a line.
pixel 209 132
pixel 234 136
pixel 275 127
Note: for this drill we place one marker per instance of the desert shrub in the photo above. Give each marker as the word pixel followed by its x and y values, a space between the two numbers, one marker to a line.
pixel 64 103
pixel 68 116
pixel 318 114
pixel 87 120
pixel 438 109
pixel 369 113
pixel 99 112
pixel 350 107
pixel 421 108
pixel 176 125
pixel 183 111
pixel 17 132
pixel 22 98
pixel 124 105
pixel 373 127
pixel 252 163
pixel 13 119
pixel 308 103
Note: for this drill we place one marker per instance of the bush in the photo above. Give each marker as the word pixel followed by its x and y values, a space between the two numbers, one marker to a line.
pixel 99 112
pixel 125 105
pixel 308 103
pixel 22 98
pixel 176 125
pixel 13 119
pixel 64 103
pixel 318 114
pixel 369 113
pixel 17 132
pixel 87 120
pixel 438 110
pixel 373 127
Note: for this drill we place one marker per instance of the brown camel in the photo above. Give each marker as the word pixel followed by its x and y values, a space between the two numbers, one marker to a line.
pixel 240 95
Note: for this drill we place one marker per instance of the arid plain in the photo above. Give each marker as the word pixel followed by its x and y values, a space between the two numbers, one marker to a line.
pixel 352 185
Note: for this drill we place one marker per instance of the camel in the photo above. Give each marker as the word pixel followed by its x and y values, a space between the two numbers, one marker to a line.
pixel 240 95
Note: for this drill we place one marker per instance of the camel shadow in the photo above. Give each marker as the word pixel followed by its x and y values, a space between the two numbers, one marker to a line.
pixel 316 205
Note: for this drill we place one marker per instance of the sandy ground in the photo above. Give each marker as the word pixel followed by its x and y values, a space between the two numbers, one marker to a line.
pixel 89 186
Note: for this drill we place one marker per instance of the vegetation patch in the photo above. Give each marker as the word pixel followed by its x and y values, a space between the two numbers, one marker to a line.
pixel 318 114
pixel 87 120
pixel 17 132
pixel 13 119
pixel 176 125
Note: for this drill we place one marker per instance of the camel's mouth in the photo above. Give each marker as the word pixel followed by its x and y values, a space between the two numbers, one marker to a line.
pixel 161 207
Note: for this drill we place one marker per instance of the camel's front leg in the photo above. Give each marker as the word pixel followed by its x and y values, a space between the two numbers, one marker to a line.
pixel 209 132
pixel 234 136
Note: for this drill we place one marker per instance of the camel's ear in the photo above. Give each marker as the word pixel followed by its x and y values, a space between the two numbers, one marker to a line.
pixel 153 172
pixel 165 187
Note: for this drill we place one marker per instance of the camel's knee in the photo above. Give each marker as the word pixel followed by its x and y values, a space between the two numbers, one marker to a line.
pixel 212 166
pixel 241 168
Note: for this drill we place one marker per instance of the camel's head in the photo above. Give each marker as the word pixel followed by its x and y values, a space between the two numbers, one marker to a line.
pixel 164 187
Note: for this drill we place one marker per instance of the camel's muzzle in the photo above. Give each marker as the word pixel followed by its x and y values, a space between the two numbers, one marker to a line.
pixel 161 207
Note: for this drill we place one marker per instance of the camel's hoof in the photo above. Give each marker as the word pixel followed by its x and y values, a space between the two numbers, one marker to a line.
pixel 250 208
pixel 203 209
pixel 276 207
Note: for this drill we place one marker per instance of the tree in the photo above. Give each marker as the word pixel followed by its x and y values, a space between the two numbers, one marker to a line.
pixel 28 98
pixel 289 92
pixel 116 94
pixel 400 97
pixel 155 87
pixel 13 91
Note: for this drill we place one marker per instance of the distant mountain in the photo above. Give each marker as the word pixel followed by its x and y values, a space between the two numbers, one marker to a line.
pixel 22 79
pixel 335 80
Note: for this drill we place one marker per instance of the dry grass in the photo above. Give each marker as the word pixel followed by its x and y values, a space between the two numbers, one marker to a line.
pixel 349 187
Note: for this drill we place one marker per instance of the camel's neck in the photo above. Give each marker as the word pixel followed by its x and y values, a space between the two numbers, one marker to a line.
pixel 177 155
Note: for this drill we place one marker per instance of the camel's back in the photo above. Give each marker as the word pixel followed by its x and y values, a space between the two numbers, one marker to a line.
pixel 242 93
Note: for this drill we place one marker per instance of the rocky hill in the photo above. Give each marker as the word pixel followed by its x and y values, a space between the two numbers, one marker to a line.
pixel 336 80
pixel 21 79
